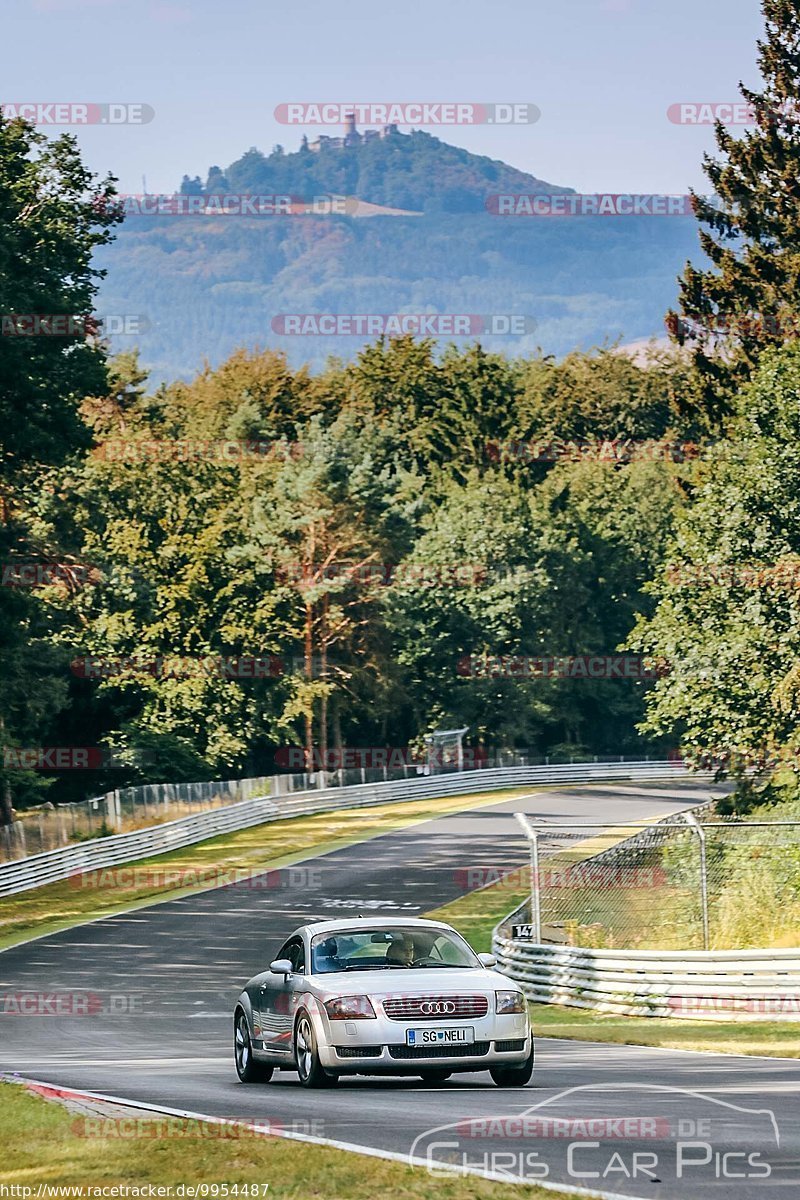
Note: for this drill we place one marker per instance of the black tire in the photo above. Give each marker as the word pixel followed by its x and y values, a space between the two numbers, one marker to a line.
pixel 434 1076
pixel 310 1070
pixel 248 1070
pixel 513 1076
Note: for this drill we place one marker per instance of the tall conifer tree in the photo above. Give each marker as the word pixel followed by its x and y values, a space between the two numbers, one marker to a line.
pixel 749 298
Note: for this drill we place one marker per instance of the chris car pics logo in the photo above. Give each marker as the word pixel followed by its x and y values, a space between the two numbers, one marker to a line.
pixel 610 1136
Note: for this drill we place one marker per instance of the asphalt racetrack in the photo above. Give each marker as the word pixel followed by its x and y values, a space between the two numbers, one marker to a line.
pixel 615 1119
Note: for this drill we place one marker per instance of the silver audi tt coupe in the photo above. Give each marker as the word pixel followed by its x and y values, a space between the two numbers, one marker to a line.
pixel 381 997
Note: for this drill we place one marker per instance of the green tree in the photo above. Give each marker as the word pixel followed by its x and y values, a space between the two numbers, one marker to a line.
pixel 600 395
pixel 494 576
pixel 747 299
pixel 726 618
pixel 338 516
pixel 53 215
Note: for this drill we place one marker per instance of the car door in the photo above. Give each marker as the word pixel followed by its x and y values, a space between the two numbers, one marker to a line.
pixel 278 999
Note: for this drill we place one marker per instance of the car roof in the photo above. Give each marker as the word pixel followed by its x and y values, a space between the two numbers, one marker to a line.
pixel 356 922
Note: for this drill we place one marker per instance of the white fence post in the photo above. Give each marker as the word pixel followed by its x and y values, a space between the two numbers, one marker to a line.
pixel 693 823
pixel 536 899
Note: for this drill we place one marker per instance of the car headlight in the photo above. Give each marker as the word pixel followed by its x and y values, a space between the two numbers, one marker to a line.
pixel 349 1008
pixel 509 1002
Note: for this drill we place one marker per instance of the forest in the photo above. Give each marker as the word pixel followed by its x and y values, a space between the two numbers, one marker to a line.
pixel 200 573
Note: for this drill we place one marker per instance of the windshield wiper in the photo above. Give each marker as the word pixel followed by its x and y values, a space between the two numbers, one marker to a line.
pixel 397 967
pixel 363 967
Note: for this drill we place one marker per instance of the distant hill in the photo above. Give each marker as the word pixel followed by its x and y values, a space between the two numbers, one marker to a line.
pixel 415 171
pixel 207 284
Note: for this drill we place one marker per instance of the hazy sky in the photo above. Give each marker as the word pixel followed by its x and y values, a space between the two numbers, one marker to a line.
pixel 603 73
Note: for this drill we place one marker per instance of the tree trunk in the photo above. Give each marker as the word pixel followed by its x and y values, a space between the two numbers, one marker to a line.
pixel 309 716
pixel 336 723
pixel 323 670
pixel 6 807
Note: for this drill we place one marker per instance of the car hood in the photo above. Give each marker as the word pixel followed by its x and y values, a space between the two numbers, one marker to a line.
pixel 415 981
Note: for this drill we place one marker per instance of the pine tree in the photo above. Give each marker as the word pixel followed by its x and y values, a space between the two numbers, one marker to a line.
pixel 748 299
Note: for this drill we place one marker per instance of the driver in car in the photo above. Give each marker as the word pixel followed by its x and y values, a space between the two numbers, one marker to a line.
pixel 401 952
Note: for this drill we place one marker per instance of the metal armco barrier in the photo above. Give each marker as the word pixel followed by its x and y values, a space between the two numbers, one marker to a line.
pixel 701 985
pixel 23 874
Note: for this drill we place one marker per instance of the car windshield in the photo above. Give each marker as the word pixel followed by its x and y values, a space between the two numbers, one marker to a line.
pixel 389 949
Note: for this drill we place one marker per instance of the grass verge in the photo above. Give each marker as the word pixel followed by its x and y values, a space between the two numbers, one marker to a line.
pixel 774 1039
pixel 262 847
pixel 42 1148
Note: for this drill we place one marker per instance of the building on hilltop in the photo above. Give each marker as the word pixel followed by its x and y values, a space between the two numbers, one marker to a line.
pixel 351 136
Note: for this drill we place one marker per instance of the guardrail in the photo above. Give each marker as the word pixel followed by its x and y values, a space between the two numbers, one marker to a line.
pixel 700 985
pixel 46 826
pixel 23 874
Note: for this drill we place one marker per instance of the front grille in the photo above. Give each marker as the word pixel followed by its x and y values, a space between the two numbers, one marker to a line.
pixel 358 1051
pixel 509 1044
pixel 410 1008
pixel 476 1050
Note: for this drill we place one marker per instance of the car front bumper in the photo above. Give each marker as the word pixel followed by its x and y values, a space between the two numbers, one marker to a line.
pixel 379 1046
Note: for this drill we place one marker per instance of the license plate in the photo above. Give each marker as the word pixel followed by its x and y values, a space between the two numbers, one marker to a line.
pixel 463 1036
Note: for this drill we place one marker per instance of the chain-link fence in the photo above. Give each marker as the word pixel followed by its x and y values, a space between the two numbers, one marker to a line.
pixel 682 883
pixel 49 826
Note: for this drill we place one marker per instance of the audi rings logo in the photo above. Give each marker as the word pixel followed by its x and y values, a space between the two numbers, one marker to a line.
pixel 437 1008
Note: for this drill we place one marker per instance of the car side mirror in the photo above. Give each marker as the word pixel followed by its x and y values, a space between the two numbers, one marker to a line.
pixel 281 966
pixel 487 960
